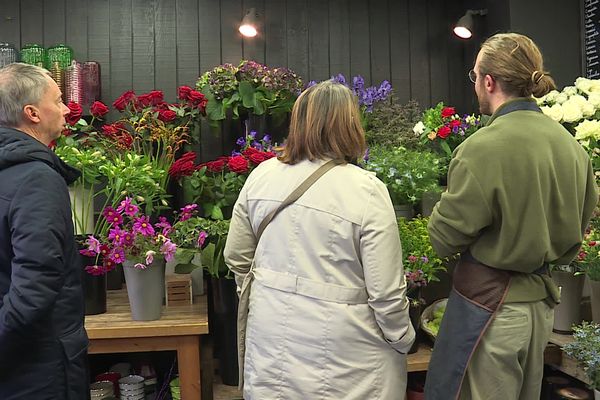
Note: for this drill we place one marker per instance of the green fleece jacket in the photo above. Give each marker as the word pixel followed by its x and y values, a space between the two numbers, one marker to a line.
pixel 521 192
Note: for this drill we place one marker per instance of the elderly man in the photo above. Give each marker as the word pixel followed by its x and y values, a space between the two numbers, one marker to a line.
pixel 43 343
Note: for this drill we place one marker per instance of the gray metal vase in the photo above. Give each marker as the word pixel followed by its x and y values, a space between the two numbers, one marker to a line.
pixel 568 312
pixel 145 289
pixel 595 300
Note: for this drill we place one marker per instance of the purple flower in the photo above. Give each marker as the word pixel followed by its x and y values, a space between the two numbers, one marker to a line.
pixel 241 142
pixel 164 225
pixel 201 239
pixel 189 208
pixel 168 249
pixel 235 153
pixel 366 156
pixel 87 252
pixel 117 255
pixel 127 238
pixel 310 84
pixel 257 145
pixel 93 244
pixel 108 213
pixel 95 270
pixel 339 78
pixel 425 260
pixel 116 235
pixel 266 139
pixel 128 207
pixel 142 225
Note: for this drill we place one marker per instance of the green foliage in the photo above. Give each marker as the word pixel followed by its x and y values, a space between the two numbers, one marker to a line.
pixel 391 124
pixel 217 192
pixel 406 173
pixel 585 348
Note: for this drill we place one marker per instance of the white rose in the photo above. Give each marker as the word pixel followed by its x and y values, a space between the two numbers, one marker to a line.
pixel 583 85
pixel 571 112
pixel 551 96
pixel 594 85
pixel 587 129
pixel 561 98
pixel 570 90
pixel 555 112
pixel 419 128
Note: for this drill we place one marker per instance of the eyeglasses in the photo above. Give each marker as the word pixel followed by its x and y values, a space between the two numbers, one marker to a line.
pixel 472 76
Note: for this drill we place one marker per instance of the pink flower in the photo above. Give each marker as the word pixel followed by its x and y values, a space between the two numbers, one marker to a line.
pixel 93 244
pixel 150 257
pixel 127 238
pixel 108 212
pixel 140 266
pixel 412 259
pixel 117 255
pixel 87 252
pixel 95 270
pixel 116 235
pixel 168 249
pixel 164 225
pixel 142 225
pixel 128 207
pixel 201 239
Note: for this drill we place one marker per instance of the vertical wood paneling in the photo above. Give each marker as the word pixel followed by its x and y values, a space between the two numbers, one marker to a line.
pixel 32 22
pixel 187 42
pixel 231 39
pixel 318 40
pixel 99 42
pixel 275 33
pixel 54 22
pixel 209 25
pixel 419 52
pixel 142 20
pixel 77 34
pixel 339 38
pixel 360 54
pixel 121 66
pixel 254 48
pixel 438 37
pixel 165 61
pixel 400 50
pixel 297 37
pixel 380 41
pixel 10 23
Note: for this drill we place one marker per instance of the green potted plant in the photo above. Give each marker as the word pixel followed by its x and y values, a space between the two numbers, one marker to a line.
pixel 585 348
pixel 408 174
pixel 421 264
pixel 588 263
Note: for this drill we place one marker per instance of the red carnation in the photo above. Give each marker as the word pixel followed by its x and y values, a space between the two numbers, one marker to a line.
pixel 124 100
pixel 184 166
pixel 98 109
pixel 444 132
pixel 167 115
pixel 183 92
pixel 75 112
pixel 448 112
pixel 238 164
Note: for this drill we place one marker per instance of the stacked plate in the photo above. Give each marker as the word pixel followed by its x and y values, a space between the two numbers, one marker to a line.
pixel 101 390
pixel 132 387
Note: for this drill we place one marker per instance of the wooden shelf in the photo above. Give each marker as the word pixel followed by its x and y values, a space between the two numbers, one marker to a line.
pixel 419 361
pixel 555 357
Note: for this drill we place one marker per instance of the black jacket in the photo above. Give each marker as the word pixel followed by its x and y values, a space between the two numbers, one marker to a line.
pixel 43 343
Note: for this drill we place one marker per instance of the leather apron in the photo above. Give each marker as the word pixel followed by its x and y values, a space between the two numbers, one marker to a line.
pixel 478 292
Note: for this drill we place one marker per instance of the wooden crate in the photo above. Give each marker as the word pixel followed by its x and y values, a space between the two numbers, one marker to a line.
pixel 178 289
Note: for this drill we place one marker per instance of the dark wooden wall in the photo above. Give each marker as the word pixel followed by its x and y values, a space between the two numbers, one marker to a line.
pixel 147 44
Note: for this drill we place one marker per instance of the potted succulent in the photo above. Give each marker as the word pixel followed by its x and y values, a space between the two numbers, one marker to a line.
pixel 585 348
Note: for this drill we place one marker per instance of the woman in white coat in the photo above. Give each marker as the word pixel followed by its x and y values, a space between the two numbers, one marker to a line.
pixel 328 313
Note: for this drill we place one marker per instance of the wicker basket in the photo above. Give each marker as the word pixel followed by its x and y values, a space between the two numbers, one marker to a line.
pixel 427 316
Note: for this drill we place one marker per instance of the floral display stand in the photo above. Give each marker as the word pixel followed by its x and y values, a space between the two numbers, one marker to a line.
pixel 145 289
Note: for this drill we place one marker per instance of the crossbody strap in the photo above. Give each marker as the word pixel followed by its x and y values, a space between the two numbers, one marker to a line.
pixel 297 193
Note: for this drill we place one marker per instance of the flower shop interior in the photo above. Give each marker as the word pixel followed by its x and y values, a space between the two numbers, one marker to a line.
pixel 171 107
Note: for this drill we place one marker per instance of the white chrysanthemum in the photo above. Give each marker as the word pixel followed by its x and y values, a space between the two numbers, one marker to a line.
pixel 561 98
pixel 555 112
pixel 419 128
pixel 570 90
pixel 587 129
pixel 594 99
pixel 571 111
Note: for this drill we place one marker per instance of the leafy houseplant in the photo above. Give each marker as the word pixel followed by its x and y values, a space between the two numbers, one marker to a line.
pixel 187 233
pixel 406 173
pixel 249 87
pixel 585 348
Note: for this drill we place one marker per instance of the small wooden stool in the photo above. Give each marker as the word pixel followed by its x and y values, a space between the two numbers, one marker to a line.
pixel 178 289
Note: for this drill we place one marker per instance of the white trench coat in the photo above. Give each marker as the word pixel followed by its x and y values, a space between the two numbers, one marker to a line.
pixel 328 314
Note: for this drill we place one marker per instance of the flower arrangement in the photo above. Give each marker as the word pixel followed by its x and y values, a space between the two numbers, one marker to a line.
pixel 216 184
pixel 187 233
pixel 406 173
pixel 585 348
pixel 442 127
pixel 248 87
pixel 577 108
pixel 588 258
pixel 421 263
pixel 131 236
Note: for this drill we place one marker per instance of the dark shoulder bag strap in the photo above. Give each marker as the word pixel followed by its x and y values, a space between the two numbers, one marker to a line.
pixel 295 195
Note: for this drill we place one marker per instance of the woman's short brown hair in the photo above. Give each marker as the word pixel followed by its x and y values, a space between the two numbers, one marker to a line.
pixel 325 123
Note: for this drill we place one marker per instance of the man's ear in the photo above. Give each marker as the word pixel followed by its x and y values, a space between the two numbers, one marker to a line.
pixel 489 83
pixel 31 113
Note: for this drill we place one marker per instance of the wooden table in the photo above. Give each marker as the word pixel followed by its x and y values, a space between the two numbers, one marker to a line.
pixel 419 361
pixel 179 328
pixel 554 356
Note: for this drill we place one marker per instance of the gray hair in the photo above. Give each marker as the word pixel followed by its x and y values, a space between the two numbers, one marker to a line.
pixel 20 85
